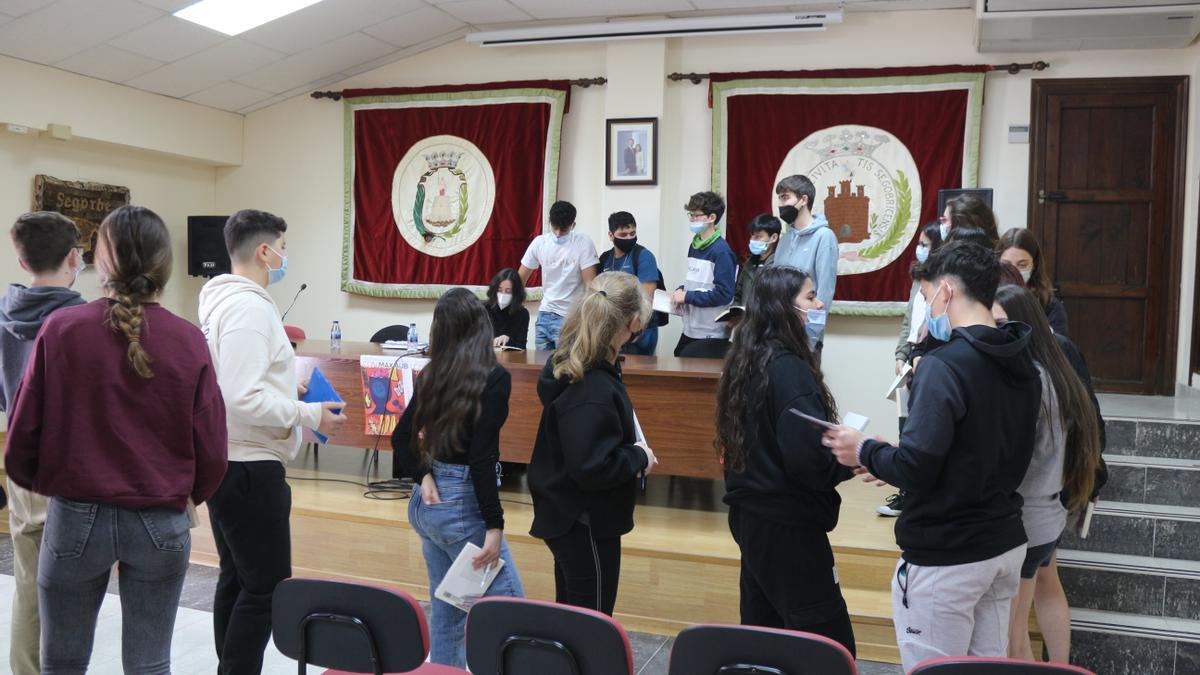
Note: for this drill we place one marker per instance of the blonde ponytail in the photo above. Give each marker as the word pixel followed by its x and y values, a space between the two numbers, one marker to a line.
pixel 612 300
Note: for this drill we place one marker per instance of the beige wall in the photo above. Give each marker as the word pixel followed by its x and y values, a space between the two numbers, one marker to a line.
pixel 293 155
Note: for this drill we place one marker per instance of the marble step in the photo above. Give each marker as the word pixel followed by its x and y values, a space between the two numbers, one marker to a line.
pixel 1152 480
pixel 1174 440
pixel 1112 582
pixel 1151 530
pixel 1115 643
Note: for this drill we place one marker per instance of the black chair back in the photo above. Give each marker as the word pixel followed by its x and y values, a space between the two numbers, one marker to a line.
pixel 342 626
pixel 978 665
pixel 517 636
pixel 393 332
pixel 741 650
pixel 708 348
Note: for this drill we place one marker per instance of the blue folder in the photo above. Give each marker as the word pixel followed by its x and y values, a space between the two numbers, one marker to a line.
pixel 321 391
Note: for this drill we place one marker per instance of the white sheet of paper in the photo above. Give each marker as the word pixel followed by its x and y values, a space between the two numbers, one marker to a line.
pixel 855 421
pixel 896 383
pixel 464 585
pixel 662 303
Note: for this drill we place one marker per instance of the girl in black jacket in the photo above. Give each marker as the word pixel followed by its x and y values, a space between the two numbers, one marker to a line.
pixel 589 452
pixel 779 479
pixel 506 308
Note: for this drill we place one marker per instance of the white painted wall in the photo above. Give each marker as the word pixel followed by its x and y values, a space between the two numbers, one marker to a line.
pixel 293 156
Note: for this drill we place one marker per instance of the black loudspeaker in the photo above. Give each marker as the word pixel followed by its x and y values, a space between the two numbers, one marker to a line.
pixel 207 256
pixel 947 194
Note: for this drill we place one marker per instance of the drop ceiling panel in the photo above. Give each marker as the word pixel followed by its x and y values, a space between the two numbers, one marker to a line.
pixel 316 63
pixel 229 96
pixel 19 7
pixel 326 21
pixel 414 27
pixel 168 39
pixel 208 68
pixel 482 12
pixel 170 6
pixel 108 63
pixel 66 27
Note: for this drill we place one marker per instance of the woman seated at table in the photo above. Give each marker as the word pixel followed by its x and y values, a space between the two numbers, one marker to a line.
pixel 506 307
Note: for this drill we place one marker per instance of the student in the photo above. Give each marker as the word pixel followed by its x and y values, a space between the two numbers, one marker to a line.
pixel 448 442
pixel 627 255
pixel 256 369
pixel 779 481
pixel 1020 247
pixel 964 451
pixel 970 210
pixel 711 276
pixel 506 308
pixel 808 245
pixel 1065 458
pixel 48 248
pixel 119 455
pixel 764 237
pixel 569 261
pixel 583 476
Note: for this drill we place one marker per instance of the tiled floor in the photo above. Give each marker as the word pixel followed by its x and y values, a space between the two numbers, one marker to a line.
pixel 1182 408
pixel 192 651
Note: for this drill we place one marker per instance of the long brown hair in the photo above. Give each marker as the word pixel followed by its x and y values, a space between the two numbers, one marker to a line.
pixel 1074 404
pixel 971 210
pixel 613 299
pixel 1039 282
pixel 138 266
pixel 452 384
pixel 771 326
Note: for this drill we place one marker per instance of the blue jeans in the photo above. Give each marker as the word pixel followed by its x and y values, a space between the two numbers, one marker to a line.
pixel 546 330
pixel 79 546
pixel 445 528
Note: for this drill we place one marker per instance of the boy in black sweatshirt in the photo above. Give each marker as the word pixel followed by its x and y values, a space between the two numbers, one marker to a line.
pixel 963 452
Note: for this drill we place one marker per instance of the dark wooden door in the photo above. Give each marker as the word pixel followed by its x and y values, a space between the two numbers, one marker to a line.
pixel 1106 200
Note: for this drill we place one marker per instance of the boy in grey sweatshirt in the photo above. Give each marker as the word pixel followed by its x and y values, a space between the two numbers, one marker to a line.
pixel 808 245
pixel 48 249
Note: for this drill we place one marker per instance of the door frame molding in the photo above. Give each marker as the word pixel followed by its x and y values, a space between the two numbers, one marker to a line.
pixel 1040 89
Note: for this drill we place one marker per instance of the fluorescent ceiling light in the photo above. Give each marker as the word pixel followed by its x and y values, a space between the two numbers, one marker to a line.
pixel 238 16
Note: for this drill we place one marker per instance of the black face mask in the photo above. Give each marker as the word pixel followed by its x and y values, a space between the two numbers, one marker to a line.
pixel 789 214
pixel 625 245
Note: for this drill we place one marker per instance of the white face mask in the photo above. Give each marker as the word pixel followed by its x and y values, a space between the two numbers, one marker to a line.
pixel 1026 274
pixel 504 300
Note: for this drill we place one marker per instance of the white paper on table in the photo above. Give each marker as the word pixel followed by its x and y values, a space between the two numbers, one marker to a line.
pixel 464 585
pixel 662 303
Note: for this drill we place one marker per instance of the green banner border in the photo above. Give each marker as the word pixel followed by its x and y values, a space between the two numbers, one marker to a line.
pixel 549 179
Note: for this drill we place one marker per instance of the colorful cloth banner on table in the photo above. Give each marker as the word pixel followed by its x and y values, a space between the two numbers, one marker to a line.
pixel 388 383
pixel 877 143
pixel 445 186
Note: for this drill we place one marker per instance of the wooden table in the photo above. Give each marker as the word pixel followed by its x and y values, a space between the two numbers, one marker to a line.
pixel 675 399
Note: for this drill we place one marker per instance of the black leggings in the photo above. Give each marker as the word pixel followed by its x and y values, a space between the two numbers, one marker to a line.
pixel 788 579
pixel 586 569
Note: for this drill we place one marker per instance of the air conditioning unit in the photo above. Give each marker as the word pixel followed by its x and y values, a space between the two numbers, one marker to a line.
pixel 657 28
pixel 1069 25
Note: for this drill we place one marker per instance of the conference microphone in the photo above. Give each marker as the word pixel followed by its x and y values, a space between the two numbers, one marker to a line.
pixel 294 298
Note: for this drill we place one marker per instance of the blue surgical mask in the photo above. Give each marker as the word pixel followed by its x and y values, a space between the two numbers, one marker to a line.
pixel 815 316
pixel 944 229
pixel 697 227
pixel 922 253
pixel 1026 275
pixel 939 326
pixel 276 274
pixel 758 247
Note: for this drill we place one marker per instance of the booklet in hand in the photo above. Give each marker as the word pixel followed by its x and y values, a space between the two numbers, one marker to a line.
pixel 464 585
pixel 734 312
pixel 852 420
pixel 321 391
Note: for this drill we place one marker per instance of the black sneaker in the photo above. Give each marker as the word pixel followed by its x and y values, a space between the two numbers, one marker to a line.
pixel 893 507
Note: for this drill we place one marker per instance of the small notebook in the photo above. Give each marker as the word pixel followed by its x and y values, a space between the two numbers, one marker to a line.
pixel 1083 520
pixel 662 303
pixel 898 382
pixel 734 312
pixel 321 391
pixel 852 420
pixel 464 585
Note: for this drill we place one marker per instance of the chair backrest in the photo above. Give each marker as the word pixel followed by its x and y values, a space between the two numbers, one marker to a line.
pixel 393 332
pixel 708 348
pixel 295 333
pixel 981 665
pixel 732 650
pixel 516 636
pixel 333 624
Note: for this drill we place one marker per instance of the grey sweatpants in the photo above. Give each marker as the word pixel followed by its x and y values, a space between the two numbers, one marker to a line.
pixel 954 610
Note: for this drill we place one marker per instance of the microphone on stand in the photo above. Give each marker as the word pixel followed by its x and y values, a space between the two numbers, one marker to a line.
pixel 294 298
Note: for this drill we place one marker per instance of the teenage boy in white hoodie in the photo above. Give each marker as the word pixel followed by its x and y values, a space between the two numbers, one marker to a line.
pixel 256 369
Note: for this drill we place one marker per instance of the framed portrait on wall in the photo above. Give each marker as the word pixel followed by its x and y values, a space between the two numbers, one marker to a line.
pixel 631 157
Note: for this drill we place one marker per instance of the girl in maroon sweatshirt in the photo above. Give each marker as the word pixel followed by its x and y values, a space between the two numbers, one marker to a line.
pixel 120 421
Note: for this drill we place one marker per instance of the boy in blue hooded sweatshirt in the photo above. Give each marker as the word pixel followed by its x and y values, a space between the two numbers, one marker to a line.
pixel 48 248
pixel 808 245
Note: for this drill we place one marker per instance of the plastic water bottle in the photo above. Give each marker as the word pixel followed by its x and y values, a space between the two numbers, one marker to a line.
pixel 413 341
pixel 335 336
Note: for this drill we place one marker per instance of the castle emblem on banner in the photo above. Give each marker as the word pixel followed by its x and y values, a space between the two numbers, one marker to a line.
pixel 443 192
pixel 867 187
